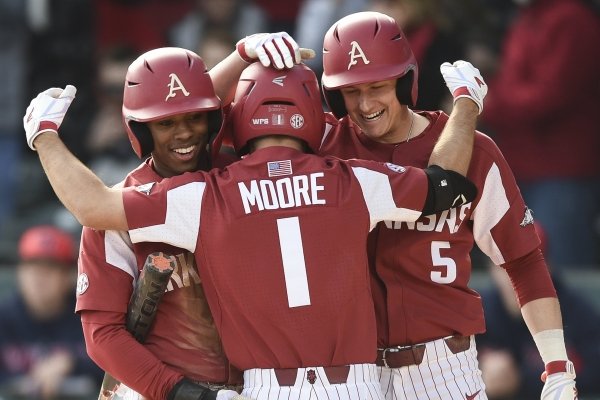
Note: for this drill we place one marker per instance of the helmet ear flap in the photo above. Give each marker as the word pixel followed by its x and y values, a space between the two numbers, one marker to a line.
pixel 144 138
pixel 215 122
pixel 335 101
pixel 404 86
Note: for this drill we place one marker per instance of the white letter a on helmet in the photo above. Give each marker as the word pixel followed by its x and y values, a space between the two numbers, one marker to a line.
pixel 175 85
pixel 355 53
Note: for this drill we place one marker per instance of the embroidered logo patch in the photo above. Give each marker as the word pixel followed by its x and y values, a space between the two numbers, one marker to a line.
pixel 528 218
pixel 82 283
pixel 311 376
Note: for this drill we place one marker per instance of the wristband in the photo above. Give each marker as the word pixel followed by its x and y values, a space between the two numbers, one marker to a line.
pixel 555 367
pixel 551 345
pixel 241 50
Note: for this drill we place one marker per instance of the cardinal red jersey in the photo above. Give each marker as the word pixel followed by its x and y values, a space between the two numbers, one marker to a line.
pixel 423 268
pixel 280 241
pixel 184 335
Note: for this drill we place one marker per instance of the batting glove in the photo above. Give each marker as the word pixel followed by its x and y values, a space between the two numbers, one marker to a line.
pixel 277 49
pixel 559 381
pixel 230 395
pixel 464 80
pixel 185 389
pixel 47 111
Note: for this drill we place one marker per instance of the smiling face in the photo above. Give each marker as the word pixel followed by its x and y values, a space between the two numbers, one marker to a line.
pixel 374 106
pixel 180 143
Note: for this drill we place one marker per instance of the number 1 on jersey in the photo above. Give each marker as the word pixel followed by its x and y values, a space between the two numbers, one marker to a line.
pixel 294 266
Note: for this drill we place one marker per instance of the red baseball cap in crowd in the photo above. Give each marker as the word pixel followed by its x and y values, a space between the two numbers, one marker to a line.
pixel 47 243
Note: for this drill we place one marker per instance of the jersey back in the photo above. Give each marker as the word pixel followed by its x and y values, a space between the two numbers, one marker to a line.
pixel 280 239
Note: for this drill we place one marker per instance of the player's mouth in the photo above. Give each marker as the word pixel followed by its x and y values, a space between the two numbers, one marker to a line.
pixel 372 117
pixel 186 153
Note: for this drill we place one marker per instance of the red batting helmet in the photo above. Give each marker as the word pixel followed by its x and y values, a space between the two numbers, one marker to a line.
pixel 165 82
pixel 367 47
pixel 271 102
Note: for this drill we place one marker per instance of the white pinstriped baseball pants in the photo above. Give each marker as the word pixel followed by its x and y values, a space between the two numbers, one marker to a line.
pixel 441 376
pixel 362 384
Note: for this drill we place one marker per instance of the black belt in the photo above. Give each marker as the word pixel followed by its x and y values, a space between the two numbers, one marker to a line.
pixel 335 375
pixel 403 356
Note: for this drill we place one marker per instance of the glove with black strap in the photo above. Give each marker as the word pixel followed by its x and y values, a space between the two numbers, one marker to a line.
pixel 185 389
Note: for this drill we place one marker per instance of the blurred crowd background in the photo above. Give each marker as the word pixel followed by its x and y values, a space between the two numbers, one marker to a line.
pixel 541 59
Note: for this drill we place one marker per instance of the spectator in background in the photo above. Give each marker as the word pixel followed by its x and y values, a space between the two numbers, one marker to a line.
pixel 314 19
pixel 35 34
pixel 280 15
pixel 239 18
pixel 42 351
pixel 542 108
pixel 140 24
pixel 14 39
pixel 432 40
pixel 508 358
pixel 216 45
pixel 107 140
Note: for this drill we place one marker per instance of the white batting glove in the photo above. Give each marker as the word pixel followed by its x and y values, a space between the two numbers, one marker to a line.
pixel 230 395
pixel 277 49
pixel 559 381
pixel 464 80
pixel 47 111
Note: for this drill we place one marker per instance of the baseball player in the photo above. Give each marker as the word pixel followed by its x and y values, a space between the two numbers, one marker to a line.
pixel 427 314
pixel 279 237
pixel 171 113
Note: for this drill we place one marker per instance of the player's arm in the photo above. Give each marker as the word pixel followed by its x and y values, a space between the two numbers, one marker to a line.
pixel 455 145
pixel 540 308
pixel 93 203
pixel 77 187
pixel 451 156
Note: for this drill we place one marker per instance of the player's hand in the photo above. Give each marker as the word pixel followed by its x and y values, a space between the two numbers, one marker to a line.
pixel 185 389
pixel 464 80
pixel 230 395
pixel 47 111
pixel 559 381
pixel 277 49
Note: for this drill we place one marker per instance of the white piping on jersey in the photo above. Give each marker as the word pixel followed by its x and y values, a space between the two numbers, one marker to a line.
pixel 492 206
pixel 377 193
pixel 182 221
pixel 118 251
pixel 328 128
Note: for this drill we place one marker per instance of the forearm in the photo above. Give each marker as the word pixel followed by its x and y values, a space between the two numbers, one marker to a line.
pixel 455 145
pixel 225 76
pixel 542 314
pixel 78 188
pixel 117 352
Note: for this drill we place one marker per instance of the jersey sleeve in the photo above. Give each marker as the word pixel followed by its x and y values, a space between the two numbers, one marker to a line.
pixel 167 212
pixel 107 265
pixel 391 192
pixel 502 224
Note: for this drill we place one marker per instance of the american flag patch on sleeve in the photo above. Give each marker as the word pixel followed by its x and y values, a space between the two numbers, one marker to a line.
pixel 279 168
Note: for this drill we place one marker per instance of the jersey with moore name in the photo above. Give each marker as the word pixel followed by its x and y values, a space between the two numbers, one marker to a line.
pixel 424 267
pixel 280 241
